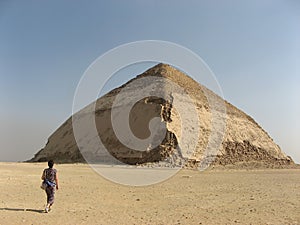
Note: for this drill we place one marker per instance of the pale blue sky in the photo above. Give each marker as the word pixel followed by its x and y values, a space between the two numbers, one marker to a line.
pixel 253 47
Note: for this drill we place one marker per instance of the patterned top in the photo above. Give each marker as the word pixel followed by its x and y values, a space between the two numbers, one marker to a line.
pixel 50 174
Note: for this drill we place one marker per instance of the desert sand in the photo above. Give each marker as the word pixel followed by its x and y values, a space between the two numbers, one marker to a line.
pixel 190 197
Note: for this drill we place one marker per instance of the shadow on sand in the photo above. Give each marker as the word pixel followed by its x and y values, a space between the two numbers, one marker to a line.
pixel 22 210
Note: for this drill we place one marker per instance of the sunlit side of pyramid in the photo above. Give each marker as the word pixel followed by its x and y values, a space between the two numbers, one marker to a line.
pixel 243 143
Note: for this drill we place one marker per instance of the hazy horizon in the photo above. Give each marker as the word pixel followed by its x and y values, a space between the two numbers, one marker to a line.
pixel 45 47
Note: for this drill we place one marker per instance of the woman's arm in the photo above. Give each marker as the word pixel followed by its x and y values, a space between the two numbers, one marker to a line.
pixel 43 175
pixel 56 181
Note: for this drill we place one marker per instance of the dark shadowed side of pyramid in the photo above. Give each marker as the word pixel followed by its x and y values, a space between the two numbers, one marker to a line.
pixel 245 143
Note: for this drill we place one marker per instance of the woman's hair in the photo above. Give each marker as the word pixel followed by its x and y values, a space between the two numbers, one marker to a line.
pixel 50 163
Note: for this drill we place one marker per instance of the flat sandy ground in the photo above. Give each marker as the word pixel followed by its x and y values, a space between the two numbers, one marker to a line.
pixel 189 197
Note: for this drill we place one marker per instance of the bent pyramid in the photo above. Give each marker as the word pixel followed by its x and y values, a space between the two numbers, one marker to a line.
pixel 215 136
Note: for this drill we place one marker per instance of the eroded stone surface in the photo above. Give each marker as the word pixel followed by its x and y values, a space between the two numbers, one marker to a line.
pixel 244 141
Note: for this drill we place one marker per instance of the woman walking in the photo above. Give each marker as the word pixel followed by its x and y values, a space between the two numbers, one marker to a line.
pixel 50 177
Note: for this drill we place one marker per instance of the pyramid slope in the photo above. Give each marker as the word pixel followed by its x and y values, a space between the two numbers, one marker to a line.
pixel 244 141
